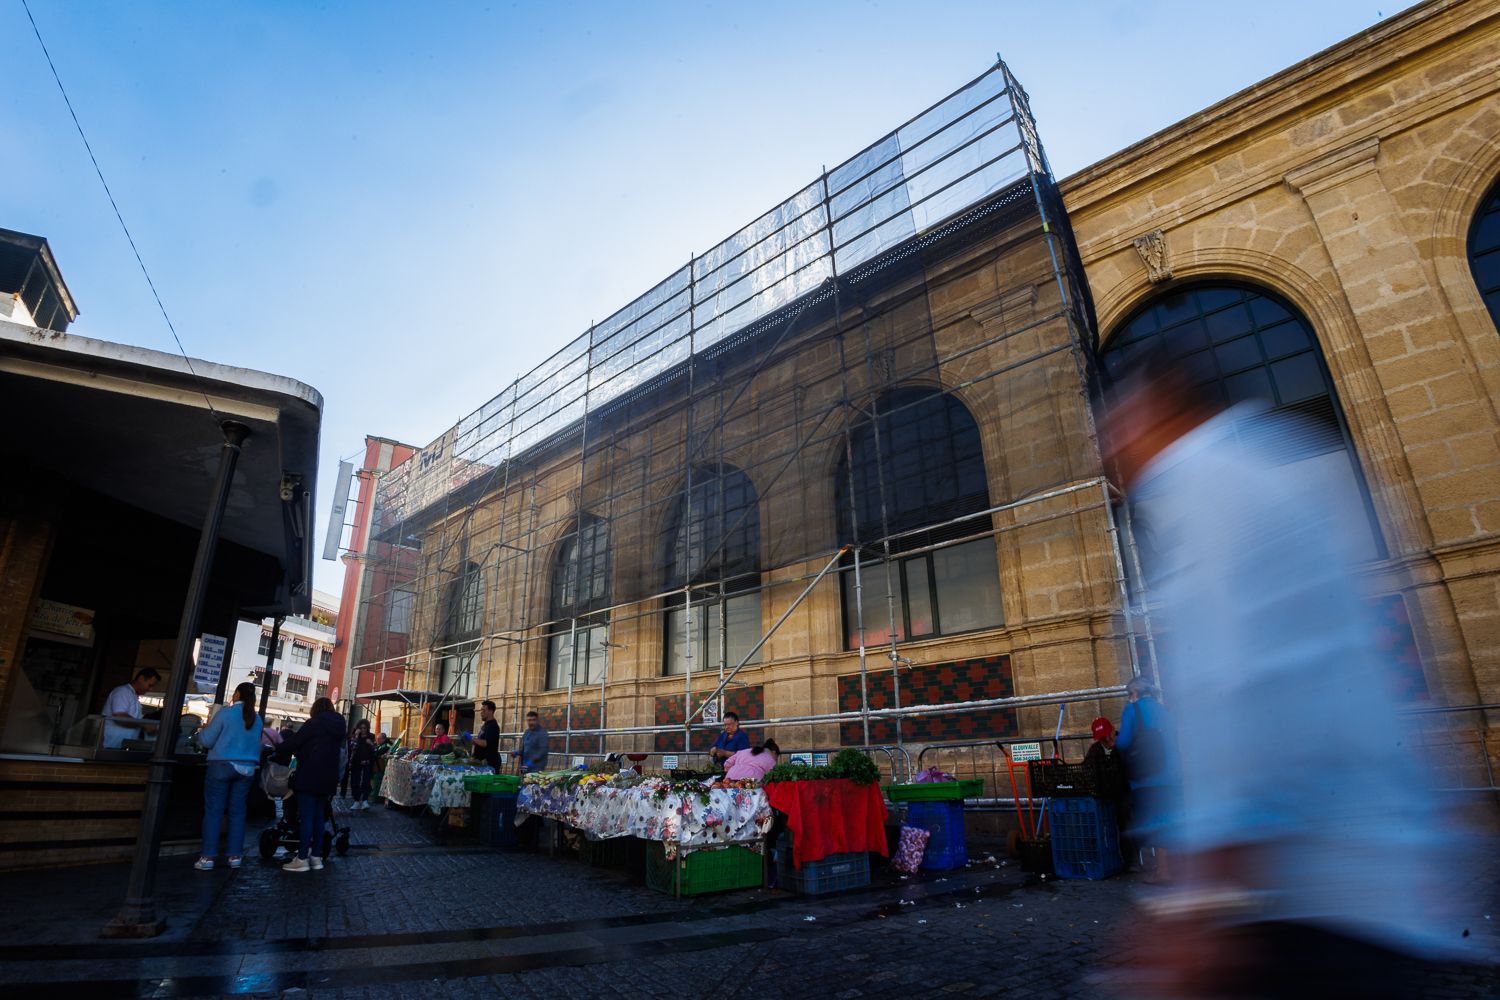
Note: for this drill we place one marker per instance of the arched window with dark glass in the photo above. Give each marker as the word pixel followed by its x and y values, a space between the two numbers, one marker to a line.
pixel 714 555
pixel 918 469
pixel 460 628
pixel 577 612
pixel 1484 252
pixel 1255 351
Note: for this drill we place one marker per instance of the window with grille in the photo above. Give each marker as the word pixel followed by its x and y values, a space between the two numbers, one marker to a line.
pixel 325 659
pixel 464 608
pixel 715 549
pixel 301 655
pixel 580 593
pixel 1484 252
pixel 917 474
pixel 258 677
pixel 264 648
pixel 1250 348
pixel 296 687
pixel 400 613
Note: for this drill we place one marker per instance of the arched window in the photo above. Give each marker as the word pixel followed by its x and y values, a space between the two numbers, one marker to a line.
pixel 1484 252
pixel 715 549
pixel 462 623
pixel 918 465
pixel 1252 347
pixel 580 593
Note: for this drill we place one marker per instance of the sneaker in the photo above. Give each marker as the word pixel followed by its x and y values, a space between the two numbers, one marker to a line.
pixel 316 862
pixel 234 862
pixel 204 864
pixel 363 806
pixel 296 865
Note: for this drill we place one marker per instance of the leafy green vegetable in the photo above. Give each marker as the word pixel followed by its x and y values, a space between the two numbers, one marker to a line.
pixel 847 763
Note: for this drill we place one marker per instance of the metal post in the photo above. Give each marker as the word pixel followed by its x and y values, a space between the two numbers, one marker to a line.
pixel 138 917
pixel 265 681
pixel 223 684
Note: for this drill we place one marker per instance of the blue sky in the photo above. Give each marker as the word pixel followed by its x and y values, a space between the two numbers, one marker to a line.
pixel 407 205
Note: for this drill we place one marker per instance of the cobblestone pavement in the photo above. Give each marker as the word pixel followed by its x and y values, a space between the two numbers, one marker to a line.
pixel 410 915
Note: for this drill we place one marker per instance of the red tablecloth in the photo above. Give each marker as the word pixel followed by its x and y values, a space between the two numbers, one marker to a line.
pixel 830 817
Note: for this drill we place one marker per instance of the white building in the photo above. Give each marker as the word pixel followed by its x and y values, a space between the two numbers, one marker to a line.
pixel 300 676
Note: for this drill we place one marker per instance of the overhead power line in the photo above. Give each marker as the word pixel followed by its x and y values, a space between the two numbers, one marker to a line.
pixel 112 204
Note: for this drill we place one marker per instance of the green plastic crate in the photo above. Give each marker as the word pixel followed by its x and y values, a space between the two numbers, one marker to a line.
pixel 936 791
pixel 492 783
pixel 717 869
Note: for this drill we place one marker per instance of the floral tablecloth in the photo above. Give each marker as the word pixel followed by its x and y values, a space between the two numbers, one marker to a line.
pixel 684 822
pixel 436 786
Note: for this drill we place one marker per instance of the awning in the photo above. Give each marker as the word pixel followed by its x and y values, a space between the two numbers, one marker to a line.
pixel 134 425
pixel 407 695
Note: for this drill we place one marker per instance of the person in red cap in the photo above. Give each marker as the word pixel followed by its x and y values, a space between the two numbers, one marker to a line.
pixel 1109 777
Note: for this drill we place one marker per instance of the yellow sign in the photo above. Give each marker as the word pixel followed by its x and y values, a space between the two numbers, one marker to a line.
pixel 64 621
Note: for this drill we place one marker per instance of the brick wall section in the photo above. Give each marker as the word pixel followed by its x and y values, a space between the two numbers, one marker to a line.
pixel 24 544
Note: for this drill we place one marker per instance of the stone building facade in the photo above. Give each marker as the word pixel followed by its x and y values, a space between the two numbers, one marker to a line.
pixel 1349 187
pixel 1337 202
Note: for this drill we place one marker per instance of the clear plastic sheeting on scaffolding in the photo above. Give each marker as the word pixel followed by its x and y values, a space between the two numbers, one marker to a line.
pixel 857 422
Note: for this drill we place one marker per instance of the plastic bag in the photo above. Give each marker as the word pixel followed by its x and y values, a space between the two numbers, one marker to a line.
pixel 910 848
pixel 276 780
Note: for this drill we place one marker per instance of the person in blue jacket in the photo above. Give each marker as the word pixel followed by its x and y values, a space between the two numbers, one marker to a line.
pixel 1147 743
pixel 317 746
pixel 232 738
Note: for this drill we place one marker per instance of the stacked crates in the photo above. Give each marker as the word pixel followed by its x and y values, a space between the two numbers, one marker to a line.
pixel 1085 839
pixel 834 873
pixel 947 847
pixel 717 869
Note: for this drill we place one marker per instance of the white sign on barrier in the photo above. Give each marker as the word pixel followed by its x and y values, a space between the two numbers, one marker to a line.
pixel 1021 752
pixel 820 760
pixel 669 762
pixel 577 761
pixel 801 758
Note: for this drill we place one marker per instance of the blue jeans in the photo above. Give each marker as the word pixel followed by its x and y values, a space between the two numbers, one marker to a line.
pixel 224 786
pixel 309 825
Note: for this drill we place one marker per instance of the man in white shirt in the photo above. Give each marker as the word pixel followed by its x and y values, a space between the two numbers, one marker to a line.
pixel 122 710
pixel 1313 851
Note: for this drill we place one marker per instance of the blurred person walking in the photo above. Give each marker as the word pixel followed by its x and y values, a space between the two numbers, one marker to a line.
pixel 1310 849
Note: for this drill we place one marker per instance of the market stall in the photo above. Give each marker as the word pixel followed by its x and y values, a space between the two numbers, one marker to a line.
pixel 425 780
pixel 684 816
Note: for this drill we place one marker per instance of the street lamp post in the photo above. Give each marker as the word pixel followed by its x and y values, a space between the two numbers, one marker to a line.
pixel 138 917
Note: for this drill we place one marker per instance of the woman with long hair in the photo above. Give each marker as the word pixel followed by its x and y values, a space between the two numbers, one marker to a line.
pixel 752 764
pixel 317 747
pixel 233 741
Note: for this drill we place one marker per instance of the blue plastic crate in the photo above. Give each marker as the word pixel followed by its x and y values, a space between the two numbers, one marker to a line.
pixel 834 873
pixel 1085 838
pixel 947 846
pixel 499 818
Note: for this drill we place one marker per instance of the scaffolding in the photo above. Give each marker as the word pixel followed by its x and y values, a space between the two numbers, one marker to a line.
pixel 762 472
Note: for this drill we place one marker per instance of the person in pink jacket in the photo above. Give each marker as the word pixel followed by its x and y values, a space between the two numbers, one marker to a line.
pixel 752 764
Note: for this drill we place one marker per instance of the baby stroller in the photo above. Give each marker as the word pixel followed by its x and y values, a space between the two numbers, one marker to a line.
pixel 284 833
pixel 274 780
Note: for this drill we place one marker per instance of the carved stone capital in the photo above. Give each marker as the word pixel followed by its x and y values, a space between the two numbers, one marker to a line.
pixel 1153 250
pixel 1334 169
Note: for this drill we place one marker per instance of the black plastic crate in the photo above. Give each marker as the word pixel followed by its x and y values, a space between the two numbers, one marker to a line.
pixel 612 853
pixel 1057 780
pixel 1036 855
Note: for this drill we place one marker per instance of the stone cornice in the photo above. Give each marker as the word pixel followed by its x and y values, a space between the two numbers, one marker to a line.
pixel 1391 44
pixel 1216 196
pixel 1335 169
